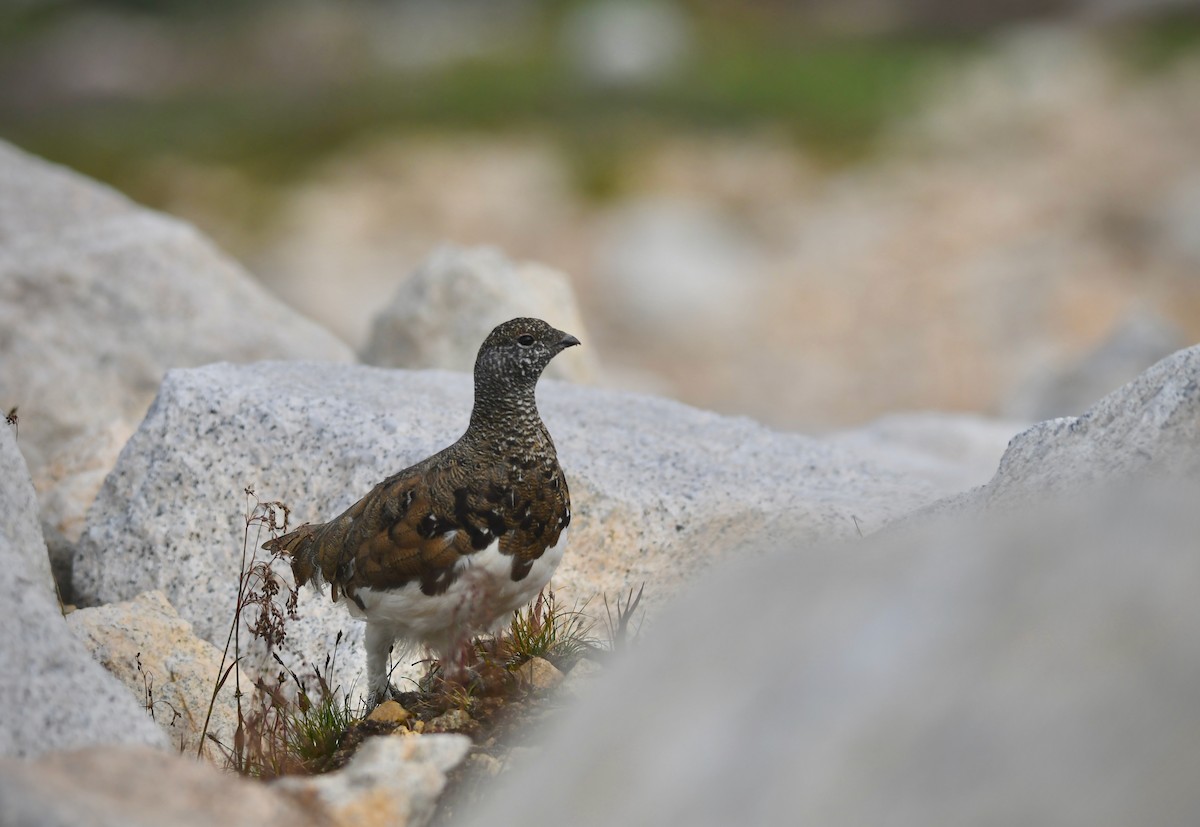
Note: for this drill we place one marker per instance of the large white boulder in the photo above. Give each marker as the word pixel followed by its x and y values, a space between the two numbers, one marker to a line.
pixel 659 490
pixel 53 694
pixel 98 298
pixel 1041 672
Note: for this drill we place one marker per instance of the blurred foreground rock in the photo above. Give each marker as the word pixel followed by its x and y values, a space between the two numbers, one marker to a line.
pixel 98 298
pixel 1003 666
pixel 1040 671
pixel 659 490
pixel 53 694
pixel 140 787
pixel 392 781
pixel 441 313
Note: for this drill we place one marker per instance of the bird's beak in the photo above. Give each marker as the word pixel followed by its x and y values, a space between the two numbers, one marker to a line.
pixel 567 341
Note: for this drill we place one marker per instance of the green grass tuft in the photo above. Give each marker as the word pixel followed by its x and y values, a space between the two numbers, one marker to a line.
pixel 544 629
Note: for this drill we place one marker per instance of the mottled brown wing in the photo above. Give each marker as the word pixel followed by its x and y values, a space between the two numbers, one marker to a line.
pixel 394 535
pixel 414 526
pixel 418 524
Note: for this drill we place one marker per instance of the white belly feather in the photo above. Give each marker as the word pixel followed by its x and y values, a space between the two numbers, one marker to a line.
pixel 480 599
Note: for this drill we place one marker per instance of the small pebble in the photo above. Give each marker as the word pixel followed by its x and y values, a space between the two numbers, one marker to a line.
pixel 389 712
pixel 539 673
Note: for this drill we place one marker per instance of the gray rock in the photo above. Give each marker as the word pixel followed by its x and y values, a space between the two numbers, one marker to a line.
pixel 539 674
pixel 1041 672
pixel 154 653
pixel 98 297
pixel 139 787
pixel 659 490
pixel 393 781
pixel 54 695
pixel 442 312
pixel 1133 346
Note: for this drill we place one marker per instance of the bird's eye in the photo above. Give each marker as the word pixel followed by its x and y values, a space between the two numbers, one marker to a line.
pixel 525 340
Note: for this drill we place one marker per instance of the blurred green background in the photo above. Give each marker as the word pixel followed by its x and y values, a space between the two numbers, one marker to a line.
pixel 273 87
pixel 259 121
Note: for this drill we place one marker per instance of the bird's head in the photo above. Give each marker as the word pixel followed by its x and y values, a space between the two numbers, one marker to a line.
pixel 517 351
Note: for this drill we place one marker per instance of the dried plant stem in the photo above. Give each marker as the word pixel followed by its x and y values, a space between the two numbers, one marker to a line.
pixel 269 625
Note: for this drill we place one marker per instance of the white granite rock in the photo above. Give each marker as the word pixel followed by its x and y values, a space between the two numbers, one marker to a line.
pixel 153 651
pixel 659 490
pixel 53 694
pixel 392 781
pixel 441 312
pixel 140 787
pixel 98 297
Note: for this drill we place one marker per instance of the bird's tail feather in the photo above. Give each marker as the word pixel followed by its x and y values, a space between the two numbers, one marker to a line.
pixel 301 546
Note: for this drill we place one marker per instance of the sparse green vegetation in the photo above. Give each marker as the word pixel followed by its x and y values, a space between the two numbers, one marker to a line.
pixel 543 629
pixel 316 730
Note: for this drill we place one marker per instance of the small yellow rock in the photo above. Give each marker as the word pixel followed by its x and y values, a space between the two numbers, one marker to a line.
pixel 539 673
pixel 389 712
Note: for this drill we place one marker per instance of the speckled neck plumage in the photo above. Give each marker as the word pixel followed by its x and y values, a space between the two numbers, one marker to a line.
pixel 505 411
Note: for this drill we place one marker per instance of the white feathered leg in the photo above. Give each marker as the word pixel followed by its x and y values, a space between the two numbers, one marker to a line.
pixel 379 641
